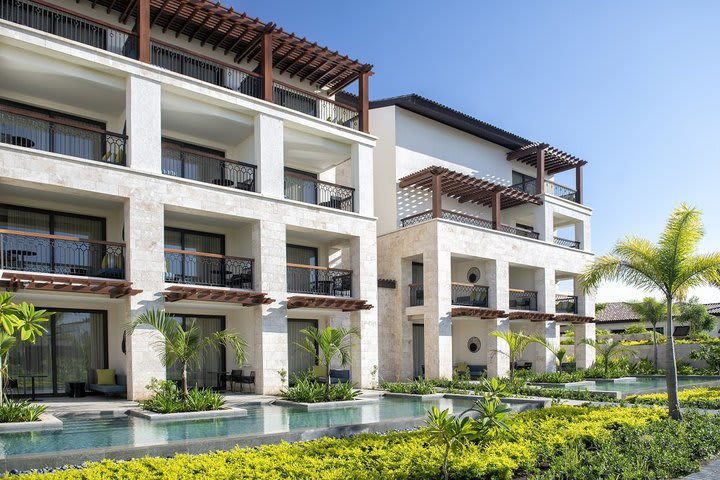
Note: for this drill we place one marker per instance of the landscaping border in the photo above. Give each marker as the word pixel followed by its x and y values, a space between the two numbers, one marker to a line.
pixel 47 423
pixel 187 416
pixel 326 405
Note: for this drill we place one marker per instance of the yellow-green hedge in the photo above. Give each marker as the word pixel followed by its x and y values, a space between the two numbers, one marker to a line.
pixel 691 397
pixel 405 455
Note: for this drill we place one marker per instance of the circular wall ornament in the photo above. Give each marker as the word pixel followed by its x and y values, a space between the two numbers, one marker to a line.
pixel 473 275
pixel 474 344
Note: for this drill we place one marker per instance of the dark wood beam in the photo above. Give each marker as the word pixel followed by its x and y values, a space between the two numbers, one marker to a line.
pixel 187 22
pixel 302 69
pixel 437 196
pixel 525 152
pixel 579 184
pixel 174 15
pixel 157 15
pixel 364 102
pixel 224 37
pixel 250 47
pixel 267 65
pixel 126 13
pixel 495 206
pixel 110 6
pixel 540 172
pixel 294 62
pixel 217 28
pixel 143 28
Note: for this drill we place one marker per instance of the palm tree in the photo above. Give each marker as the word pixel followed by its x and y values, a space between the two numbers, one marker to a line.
pixel 671 266
pixel 517 343
pixel 186 346
pixel 607 350
pixel 326 345
pixel 558 351
pixel 651 311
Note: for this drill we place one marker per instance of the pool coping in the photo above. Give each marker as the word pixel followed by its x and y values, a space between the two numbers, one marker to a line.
pixel 415 396
pixel 186 416
pixel 308 407
pixel 47 423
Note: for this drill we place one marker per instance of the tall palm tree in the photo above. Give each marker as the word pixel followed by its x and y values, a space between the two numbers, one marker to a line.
pixel 671 266
pixel 186 346
pixel 327 345
pixel 651 311
pixel 517 343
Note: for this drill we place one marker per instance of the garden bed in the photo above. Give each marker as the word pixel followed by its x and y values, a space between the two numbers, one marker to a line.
pixel 47 423
pixel 186 416
pixel 326 405
pixel 415 396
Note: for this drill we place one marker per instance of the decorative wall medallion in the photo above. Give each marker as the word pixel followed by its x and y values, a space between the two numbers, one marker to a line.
pixel 473 275
pixel 473 344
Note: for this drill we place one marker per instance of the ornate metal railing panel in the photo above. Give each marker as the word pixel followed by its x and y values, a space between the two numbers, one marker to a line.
pixel 566 242
pixel 309 190
pixel 43 253
pixel 528 186
pixel 519 231
pixel 417 218
pixel 566 304
pixel 58 135
pixel 208 269
pixel 469 294
pixel 58 21
pixel 523 300
pixel 561 191
pixel 205 167
pixel 316 106
pixel 467 219
pixel 319 280
pixel 417 294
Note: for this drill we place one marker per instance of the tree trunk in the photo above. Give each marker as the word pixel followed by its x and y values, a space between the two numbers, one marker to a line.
pixel 327 382
pixel 445 463
pixel 184 380
pixel 655 350
pixel 671 367
pixel 2 383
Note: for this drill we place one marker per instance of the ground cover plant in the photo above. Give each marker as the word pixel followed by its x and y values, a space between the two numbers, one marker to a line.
pixel 560 442
pixel 309 390
pixel 417 387
pixel 167 398
pixel 701 397
pixel 20 411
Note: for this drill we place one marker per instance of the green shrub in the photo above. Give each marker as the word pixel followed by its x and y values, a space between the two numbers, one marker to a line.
pixel 311 391
pixel 635 329
pixel 20 411
pixel 567 341
pixel 166 398
pixel 417 387
pixel 557 377
pixel 700 397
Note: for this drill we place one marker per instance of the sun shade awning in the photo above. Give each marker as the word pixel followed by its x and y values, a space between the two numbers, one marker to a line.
pixel 49 283
pixel 242 297
pixel 331 303
pixel 555 160
pixel 477 312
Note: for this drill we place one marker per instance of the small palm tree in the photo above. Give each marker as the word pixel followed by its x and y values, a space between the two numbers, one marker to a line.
pixel 607 350
pixel 559 352
pixel 651 311
pixel 671 266
pixel 328 345
pixel 186 346
pixel 517 343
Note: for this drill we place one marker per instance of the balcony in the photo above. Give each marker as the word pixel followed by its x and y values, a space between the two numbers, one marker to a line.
pixel 417 294
pixel 469 295
pixel 314 280
pixel 566 242
pixel 566 304
pixel 551 188
pixel 41 131
pixel 209 269
pixel 306 189
pixel 523 300
pixel 468 220
pixel 181 161
pixel 63 255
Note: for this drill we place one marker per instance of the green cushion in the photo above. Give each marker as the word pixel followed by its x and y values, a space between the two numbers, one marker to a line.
pixel 318 371
pixel 106 376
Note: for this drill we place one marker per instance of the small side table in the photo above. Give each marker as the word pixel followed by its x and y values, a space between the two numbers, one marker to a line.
pixel 76 389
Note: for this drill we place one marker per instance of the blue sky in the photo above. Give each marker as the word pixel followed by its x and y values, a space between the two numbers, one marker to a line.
pixel 629 86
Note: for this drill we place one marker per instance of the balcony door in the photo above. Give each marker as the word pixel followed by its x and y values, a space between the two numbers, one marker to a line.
pixel 302 279
pixel 48 255
pixel 204 374
pixel 300 186
pixel 194 269
pixel 299 360
pixel 187 161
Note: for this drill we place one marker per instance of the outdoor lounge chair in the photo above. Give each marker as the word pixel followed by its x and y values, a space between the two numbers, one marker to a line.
pixel 336 376
pixel 119 388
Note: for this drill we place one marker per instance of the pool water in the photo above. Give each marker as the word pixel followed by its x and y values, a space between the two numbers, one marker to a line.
pixel 636 385
pixel 86 432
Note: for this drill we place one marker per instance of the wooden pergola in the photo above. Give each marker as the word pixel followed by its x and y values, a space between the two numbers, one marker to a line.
pixel 466 188
pixel 549 160
pixel 14 282
pixel 330 303
pixel 532 316
pixel 575 319
pixel 478 312
pixel 241 297
pixel 247 39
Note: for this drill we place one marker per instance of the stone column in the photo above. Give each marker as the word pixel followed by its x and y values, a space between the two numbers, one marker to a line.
pixel 585 301
pixel 438 319
pixel 144 127
pixel 543 360
pixel 498 278
pixel 145 268
pixel 361 157
pixel 584 354
pixel 582 234
pixel 269 155
pixel 545 288
pixel 543 222
pixel 271 341
pixel 404 354
pixel 364 285
pixel 498 359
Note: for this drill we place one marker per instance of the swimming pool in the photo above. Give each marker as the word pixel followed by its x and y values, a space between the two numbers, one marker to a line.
pixel 636 385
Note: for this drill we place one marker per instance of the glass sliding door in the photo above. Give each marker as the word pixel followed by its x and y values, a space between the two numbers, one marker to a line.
pixel 302 279
pixel 194 269
pixel 75 344
pixel 299 360
pixel 201 375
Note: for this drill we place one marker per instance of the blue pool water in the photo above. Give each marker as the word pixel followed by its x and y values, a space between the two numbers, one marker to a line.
pixel 85 432
pixel 636 385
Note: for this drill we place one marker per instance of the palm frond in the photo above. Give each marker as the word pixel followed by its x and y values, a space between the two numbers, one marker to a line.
pixel 680 238
pixel 697 271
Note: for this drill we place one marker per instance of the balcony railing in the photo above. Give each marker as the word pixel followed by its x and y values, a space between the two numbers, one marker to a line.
pixel 205 167
pixel 309 190
pixel 421 217
pixel 469 294
pixel 209 269
pixel 566 242
pixel 71 25
pixel 528 186
pixel 316 106
pixel 566 304
pixel 523 300
pixel 521 232
pixel 319 280
pixel 561 191
pixel 26 128
pixel 417 294
pixel 44 253
pixel 468 220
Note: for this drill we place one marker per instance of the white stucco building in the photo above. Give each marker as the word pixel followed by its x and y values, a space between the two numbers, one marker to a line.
pixel 184 156
pixel 477 237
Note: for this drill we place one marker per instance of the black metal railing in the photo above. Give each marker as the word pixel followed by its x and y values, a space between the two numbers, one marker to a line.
pixel 421 217
pixel 205 167
pixel 467 219
pixel 417 294
pixel 523 300
pixel 566 242
pixel 528 186
pixel 469 294
pixel 315 105
pixel 44 253
pixel 521 232
pixel 561 191
pixel 214 270
pixel 566 304
pixel 319 280
pixel 30 129
pixel 71 25
pixel 310 190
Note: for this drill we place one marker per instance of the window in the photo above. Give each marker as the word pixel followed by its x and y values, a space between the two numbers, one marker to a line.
pixel 194 269
pixel 681 331
pixel 178 161
pixel 299 188
pixel 204 373
pixel 523 182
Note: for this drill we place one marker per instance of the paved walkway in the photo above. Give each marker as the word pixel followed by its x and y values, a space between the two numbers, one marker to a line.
pixel 711 471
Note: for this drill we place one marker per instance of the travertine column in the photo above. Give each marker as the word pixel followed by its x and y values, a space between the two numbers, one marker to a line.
pixel 364 284
pixel 582 234
pixel 405 361
pixel 498 351
pixel 498 278
pixel 145 268
pixel 543 360
pixel 361 157
pixel 269 155
pixel 543 222
pixel 271 341
pixel 584 354
pixel 585 301
pixel 438 319
pixel 144 126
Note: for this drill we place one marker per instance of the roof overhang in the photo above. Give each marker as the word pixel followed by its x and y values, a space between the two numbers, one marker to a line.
pixel 574 318
pixel 176 293
pixel 478 312
pixel 556 160
pixel 330 303
pixel 14 282
pixel 532 316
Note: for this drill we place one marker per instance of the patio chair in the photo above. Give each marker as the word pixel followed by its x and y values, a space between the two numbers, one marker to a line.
pixel 236 377
pixel 343 286
pixel 247 380
pixel 12 385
